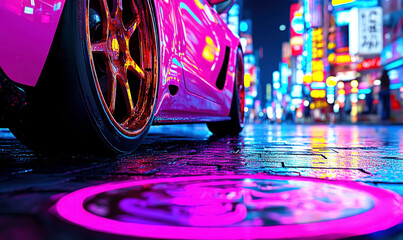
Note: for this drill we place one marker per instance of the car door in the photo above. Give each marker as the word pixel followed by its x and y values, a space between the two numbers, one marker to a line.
pixel 204 51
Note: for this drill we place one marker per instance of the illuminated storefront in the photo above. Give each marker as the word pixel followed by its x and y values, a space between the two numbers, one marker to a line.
pixel 392 55
pixel 346 45
pixel 370 72
pixel 252 72
pixel 355 43
pixel 315 64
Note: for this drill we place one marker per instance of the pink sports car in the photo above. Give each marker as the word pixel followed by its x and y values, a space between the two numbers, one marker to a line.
pixel 94 75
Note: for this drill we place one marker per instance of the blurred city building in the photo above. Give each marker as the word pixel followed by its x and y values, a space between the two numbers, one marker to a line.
pixel 343 63
pixel 244 29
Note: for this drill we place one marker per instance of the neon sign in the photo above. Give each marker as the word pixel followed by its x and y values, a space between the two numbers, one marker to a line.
pixel 317 43
pixel 366 31
pixel 318 69
pixel 367 64
pixel 342 17
pixel 318 85
pixel 341 2
pixel 354 3
pixel 318 93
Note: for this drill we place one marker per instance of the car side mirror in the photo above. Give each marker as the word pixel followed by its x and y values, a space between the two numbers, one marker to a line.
pixel 222 6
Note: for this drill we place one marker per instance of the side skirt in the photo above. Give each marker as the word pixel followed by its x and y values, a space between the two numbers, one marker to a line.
pixel 187 119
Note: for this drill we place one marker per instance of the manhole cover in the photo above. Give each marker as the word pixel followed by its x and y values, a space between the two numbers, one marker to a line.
pixel 227 207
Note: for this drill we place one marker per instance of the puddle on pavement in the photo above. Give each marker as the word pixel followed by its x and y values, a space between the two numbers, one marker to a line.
pixel 227 207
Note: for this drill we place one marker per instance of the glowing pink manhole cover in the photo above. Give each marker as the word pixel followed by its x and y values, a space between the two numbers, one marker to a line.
pixel 228 207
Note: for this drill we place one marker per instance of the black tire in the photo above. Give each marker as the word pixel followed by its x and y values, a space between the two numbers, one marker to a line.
pixel 234 126
pixel 75 105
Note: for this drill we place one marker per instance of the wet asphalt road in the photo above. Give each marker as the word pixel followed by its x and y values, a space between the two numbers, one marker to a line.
pixel 30 183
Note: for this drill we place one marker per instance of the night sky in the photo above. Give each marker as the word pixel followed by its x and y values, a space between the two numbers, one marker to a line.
pixel 267 16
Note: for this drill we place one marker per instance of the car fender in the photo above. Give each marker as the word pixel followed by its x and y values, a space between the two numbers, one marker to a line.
pixel 27 32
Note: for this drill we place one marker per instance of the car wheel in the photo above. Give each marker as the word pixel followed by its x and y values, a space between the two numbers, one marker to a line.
pixel 237 114
pixel 98 89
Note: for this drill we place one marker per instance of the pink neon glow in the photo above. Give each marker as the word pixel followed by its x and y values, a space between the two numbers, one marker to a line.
pixel 216 207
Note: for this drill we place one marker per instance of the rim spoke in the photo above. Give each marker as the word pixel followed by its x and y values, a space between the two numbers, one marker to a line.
pixel 99 47
pixel 106 18
pixel 118 8
pixel 132 66
pixel 112 84
pixel 106 8
pixel 143 93
pixel 128 98
pixel 132 27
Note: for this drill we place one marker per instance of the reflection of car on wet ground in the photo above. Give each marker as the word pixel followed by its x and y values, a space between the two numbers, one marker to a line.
pixel 94 75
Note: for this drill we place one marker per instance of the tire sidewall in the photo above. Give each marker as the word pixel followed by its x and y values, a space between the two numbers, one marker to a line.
pixel 236 102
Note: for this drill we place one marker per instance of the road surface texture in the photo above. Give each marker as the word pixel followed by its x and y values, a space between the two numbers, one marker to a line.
pixel 31 183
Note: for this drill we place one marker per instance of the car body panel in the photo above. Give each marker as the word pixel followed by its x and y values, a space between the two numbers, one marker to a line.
pixel 27 32
pixel 29 38
pixel 203 51
pixel 206 40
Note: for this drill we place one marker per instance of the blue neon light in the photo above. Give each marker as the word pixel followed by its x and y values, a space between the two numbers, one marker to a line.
pixel 342 18
pixel 243 26
pixel 318 85
pixel 307 13
pixel 284 77
pixel 234 11
pixel 276 80
pixel 364 91
pixel 330 92
pixel 307 63
pixel 394 64
pixel 296 91
pixel 276 76
pixel 395 86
